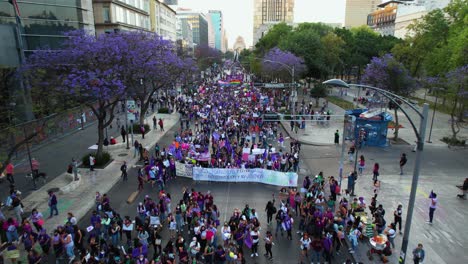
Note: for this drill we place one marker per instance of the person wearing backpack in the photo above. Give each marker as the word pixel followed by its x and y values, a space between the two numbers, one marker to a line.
pixel 208 254
pixel 279 220
pixel 306 184
pixel 270 210
pixel 194 248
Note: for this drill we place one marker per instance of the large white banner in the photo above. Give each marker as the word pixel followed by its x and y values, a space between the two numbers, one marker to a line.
pixel 245 175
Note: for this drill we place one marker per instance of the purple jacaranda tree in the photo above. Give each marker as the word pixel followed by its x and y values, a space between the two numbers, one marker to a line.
pixel 152 65
pixel 389 74
pixel 87 68
pixel 277 62
pixel 207 56
pixel 188 71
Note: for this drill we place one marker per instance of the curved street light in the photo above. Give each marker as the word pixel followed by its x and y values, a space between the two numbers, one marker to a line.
pixel 291 70
pixel 420 135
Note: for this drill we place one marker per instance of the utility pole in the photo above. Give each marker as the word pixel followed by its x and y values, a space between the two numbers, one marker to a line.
pixel 414 183
pixel 343 148
pixel 29 155
pixel 432 121
pixel 126 124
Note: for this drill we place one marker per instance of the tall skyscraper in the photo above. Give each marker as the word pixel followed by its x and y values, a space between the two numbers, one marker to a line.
pixel 357 11
pixel 43 24
pixel 199 25
pixel 270 12
pixel 215 18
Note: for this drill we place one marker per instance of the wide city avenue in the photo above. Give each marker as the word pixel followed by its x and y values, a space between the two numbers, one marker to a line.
pixel 140 136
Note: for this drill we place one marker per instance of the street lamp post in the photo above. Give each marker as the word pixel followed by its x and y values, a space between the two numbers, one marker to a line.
pixel 433 115
pixel 420 135
pixel 432 121
pixel 292 71
pixel 343 148
pixel 126 124
pixel 29 155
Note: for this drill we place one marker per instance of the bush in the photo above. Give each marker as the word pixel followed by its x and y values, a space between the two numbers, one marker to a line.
pixel 100 162
pixel 453 141
pixel 346 105
pixel 287 115
pixel 163 110
pixel 136 129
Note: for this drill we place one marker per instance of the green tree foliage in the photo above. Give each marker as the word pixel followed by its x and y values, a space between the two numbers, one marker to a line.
pixel 272 38
pixel 387 73
pixel 318 91
pixel 438 43
pixel 327 51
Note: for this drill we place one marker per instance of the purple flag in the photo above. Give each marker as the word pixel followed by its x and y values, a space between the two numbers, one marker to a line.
pixel 216 136
pixel 228 146
pixel 172 150
pixel 248 240
pixel 178 154
pixel 274 157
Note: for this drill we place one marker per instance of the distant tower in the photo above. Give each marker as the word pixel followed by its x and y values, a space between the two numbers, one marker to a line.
pixel 357 11
pixel 239 45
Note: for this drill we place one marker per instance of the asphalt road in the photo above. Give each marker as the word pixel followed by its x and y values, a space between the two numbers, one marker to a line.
pixel 227 196
pixel 442 169
pixel 54 157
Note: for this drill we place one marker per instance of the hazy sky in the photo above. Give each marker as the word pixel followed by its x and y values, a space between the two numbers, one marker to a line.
pixel 238 14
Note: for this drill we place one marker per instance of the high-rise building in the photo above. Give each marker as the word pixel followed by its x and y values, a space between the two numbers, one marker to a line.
pixel 184 37
pixel 215 18
pixel 163 20
pixel 270 12
pixel 409 13
pixel 211 32
pixel 382 20
pixel 116 15
pixel 43 24
pixel 225 43
pixel 357 11
pixel 199 26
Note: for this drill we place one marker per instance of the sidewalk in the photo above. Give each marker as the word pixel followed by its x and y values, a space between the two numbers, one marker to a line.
pixel 323 135
pixel 316 133
pixel 441 127
pixel 81 199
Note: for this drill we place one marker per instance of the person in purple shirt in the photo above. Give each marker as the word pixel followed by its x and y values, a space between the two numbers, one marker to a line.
pixel 327 244
pixel 96 223
pixel 52 204
pixel 172 168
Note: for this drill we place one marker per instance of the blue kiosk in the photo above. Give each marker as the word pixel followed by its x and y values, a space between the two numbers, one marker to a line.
pixel 370 126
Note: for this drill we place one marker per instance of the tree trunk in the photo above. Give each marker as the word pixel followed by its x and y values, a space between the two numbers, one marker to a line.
pixel 16 147
pixel 317 100
pixel 461 112
pixel 100 138
pixel 397 124
pixel 103 122
pixel 453 121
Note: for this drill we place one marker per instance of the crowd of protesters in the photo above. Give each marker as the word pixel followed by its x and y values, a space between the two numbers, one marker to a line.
pixel 225 128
